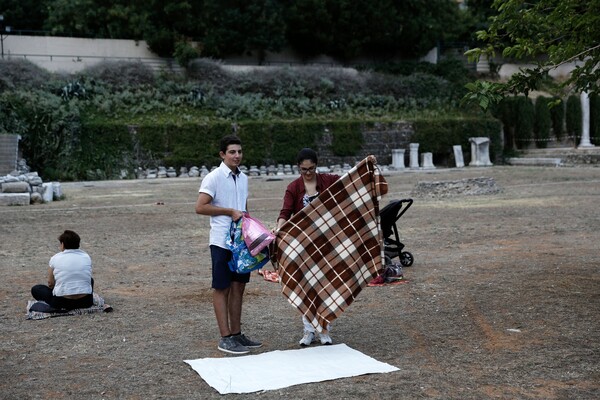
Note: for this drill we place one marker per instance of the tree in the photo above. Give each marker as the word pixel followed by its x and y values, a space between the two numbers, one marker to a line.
pixel 96 18
pixel 309 27
pixel 169 25
pixel 548 33
pixel 347 29
pixel 243 26
pixel 24 15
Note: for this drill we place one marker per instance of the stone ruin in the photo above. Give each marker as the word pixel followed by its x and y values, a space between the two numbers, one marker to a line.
pixel 22 187
pixel 263 170
pixel 466 187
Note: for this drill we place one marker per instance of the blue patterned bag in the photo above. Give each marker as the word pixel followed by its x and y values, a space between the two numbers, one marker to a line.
pixel 242 261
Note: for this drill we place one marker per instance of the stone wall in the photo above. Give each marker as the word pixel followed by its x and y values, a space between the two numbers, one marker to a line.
pixel 9 152
pixel 379 140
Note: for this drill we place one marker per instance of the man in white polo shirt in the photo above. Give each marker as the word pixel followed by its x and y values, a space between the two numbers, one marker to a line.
pixel 223 196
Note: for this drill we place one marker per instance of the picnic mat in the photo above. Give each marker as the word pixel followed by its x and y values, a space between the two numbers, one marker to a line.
pixel 41 309
pixel 279 369
pixel 328 251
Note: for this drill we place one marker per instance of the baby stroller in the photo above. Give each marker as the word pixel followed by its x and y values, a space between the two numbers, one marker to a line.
pixel 392 246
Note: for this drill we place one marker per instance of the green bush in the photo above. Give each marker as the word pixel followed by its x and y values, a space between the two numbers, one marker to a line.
pixel 557 113
pixel 106 148
pixel 573 117
pixel 347 138
pixel 185 52
pixel 23 74
pixel 49 129
pixel 120 74
pixel 543 122
pixel 197 144
pixel 205 70
pixel 524 120
pixel 505 112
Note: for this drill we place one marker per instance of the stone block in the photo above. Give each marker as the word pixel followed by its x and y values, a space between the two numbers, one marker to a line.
pixel 36 198
pixel 16 187
pixel 57 191
pixel 458 156
pixel 14 199
pixel 48 193
pixel 398 158
pixel 427 161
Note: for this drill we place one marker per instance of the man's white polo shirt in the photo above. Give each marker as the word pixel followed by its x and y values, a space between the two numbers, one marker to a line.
pixel 226 192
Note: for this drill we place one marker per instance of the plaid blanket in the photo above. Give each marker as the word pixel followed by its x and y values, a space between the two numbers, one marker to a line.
pixel 41 310
pixel 331 249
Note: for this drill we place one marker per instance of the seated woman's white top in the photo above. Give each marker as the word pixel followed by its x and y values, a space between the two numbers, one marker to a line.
pixel 72 272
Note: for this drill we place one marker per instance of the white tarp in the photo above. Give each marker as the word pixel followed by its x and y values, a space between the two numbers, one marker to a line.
pixel 279 369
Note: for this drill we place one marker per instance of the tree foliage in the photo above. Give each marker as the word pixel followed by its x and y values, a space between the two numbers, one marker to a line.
pixel 343 29
pixel 243 26
pixel 27 15
pixel 549 33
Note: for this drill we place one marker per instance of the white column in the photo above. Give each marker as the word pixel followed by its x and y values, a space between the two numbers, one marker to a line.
pixel 398 158
pixel 427 161
pixel 480 152
pixel 414 155
pixel 585 121
pixel 458 156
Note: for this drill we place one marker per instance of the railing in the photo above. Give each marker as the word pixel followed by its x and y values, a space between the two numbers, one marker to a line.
pixel 153 63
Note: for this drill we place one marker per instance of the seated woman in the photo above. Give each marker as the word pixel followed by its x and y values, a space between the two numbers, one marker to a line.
pixel 70 282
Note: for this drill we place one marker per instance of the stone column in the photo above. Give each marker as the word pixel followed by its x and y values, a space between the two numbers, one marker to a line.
pixel 414 155
pixel 48 193
pixel 458 156
pixel 585 123
pixel 398 158
pixel 427 161
pixel 480 152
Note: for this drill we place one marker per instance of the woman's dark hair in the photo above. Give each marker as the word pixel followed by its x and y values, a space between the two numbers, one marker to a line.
pixel 307 154
pixel 69 239
pixel 227 140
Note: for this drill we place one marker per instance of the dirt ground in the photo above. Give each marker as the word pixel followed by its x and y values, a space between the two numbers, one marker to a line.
pixel 503 300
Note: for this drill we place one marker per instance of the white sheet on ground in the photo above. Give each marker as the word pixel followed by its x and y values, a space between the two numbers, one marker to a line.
pixel 279 369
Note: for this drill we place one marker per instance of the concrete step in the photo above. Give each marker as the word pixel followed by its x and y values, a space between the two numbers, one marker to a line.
pixel 538 161
pixel 567 156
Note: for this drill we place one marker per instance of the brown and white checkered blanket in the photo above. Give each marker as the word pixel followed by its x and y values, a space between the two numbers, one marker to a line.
pixel 331 249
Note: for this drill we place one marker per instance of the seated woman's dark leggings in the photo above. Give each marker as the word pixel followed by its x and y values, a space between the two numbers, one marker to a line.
pixel 44 293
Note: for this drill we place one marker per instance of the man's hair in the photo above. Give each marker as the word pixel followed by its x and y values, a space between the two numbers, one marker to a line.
pixel 227 140
pixel 69 239
pixel 307 154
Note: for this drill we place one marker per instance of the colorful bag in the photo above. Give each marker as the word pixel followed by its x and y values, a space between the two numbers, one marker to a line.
pixel 256 236
pixel 242 261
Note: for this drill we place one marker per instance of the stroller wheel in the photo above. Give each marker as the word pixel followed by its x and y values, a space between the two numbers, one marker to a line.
pixel 406 259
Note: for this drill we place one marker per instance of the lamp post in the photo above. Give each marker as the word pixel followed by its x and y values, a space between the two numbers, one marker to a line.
pixel 4 31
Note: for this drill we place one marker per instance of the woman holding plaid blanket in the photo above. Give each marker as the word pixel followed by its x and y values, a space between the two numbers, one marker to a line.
pixel 298 194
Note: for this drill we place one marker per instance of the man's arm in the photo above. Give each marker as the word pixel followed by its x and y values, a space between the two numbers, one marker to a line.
pixel 204 206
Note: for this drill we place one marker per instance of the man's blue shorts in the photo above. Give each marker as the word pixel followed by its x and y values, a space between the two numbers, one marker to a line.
pixel 222 276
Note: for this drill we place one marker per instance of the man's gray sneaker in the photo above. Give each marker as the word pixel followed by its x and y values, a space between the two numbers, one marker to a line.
pixel 245 341
pixel 232 346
